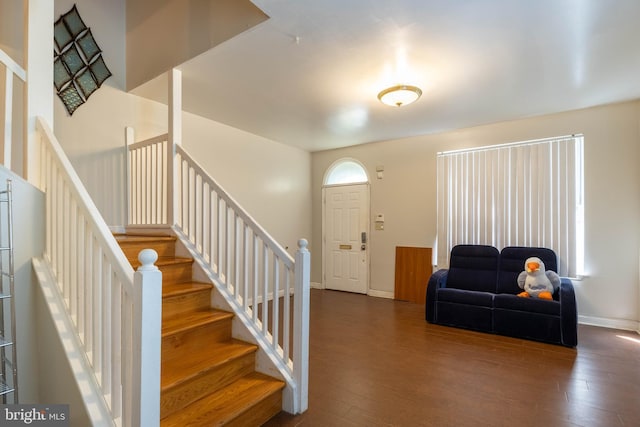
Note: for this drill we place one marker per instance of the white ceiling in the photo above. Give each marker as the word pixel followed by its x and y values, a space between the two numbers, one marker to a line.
pixel 310 75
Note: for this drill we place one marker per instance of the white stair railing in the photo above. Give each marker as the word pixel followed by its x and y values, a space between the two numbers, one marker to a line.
pixel 115 314
pixel 266 287
pixel 148 183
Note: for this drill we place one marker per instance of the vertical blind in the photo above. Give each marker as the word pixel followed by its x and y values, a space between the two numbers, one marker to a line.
pixel 521 194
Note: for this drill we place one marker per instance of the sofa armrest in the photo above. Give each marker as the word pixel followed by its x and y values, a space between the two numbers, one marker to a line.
pixel 568 313
pixel 436 281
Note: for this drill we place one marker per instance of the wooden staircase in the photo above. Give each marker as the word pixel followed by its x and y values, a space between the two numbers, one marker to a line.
pixel 208 378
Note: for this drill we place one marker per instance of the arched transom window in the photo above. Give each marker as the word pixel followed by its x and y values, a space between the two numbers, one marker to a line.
pixel 346 171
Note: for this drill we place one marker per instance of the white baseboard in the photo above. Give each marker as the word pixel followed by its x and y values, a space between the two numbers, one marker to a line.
pixel 380 294
pixel 626 325
pixel 370 292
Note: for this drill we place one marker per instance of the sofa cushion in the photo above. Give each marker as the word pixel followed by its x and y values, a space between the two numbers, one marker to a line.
pixel 473 268
pixel 529 305
pixel 512 259
pixel 462 296
pixel 465 316
pixel 522 324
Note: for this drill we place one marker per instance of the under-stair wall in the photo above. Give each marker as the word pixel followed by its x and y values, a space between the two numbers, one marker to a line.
pixel 28 220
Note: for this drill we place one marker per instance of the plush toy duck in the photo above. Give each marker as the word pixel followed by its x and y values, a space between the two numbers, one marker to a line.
pixel 536 282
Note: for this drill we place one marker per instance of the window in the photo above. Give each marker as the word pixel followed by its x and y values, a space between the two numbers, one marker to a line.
pixel 346 172
pixel 522 194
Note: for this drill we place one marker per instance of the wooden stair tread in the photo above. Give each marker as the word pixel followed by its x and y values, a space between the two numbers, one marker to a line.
pixel 178 371
pixel 227 403
pixel 199 354
pixel 135 238
pixel 192 320
pixel 175 289
pixel 164 261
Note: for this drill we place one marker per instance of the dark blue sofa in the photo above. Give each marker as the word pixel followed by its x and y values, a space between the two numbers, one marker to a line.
pixel 479 292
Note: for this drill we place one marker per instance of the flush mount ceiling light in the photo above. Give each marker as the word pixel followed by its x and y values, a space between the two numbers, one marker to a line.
pixel 400 95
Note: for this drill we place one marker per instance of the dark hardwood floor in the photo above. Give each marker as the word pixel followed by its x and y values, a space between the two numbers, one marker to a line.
pixel 376 362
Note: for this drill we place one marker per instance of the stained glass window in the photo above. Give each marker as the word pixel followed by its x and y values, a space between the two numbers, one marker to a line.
pixel 78 67
pixel 71 98
pixel 88 46
pixel 61 75
pixel 99 70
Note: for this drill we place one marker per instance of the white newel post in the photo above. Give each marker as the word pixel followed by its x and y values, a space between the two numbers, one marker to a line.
pixel 301 321
pixel 146 370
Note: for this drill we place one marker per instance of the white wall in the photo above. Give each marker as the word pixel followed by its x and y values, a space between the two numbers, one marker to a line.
pixel 407 193
pixel 28 229
pixel 272 181
pixel 12 29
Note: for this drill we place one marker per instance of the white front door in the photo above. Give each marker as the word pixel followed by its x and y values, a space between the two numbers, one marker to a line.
pixel 346 220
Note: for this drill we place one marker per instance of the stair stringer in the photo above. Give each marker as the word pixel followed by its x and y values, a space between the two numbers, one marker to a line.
pixel 268 361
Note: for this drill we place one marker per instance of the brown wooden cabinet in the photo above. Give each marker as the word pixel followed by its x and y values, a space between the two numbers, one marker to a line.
pixel 413 269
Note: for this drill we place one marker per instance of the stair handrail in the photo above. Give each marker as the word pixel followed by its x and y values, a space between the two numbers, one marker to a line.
pixel 115 313
pixel 249 268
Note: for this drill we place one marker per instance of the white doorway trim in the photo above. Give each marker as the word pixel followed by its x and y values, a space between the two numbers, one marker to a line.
pixel 361 179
